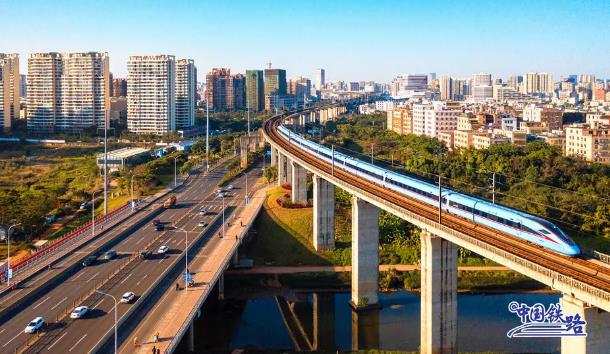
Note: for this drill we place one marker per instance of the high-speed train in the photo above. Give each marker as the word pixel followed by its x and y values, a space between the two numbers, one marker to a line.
pixel 513 222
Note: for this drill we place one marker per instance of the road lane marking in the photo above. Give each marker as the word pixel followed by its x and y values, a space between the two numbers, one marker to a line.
pixel 142 239
pixel 78 276
pixel 2 331
pixel 57 304
pixel 5 344
pixel 58 339
pixel 138 283
pixel 98 303
pixel 94 275
pixel 14 292
pixel 125 279
pixel 42 302
pixel 75 344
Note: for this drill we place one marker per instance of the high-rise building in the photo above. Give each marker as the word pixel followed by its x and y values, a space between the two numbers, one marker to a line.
pixel 302 89
pixel 224 91
pixel 586 78
pixel 354 86
pixel 9 89
pixel 239 91
pixel 320 79
pixel 23 87
pixel 186 93
pixel 481 79
pixel 67 92
pixel 151 94
pixel 538 83
pixel 255 90
pixel 431 118
pixel 275 85
pixel 416 82
pixel 446 88
pixel 119 87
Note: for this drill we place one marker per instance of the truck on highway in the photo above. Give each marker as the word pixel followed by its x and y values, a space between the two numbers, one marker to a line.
pixel 170 202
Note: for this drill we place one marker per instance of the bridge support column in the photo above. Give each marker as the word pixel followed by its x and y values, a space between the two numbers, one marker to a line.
pixel 438 295
pixel 235 258
pixel 365 253
pixel 273 156
pixel 365 329
pixel 323 214
pixel 191 337
pixel 597 328
pixel 282 173
pixel 324 321
pixel 221 287
pixel 299 183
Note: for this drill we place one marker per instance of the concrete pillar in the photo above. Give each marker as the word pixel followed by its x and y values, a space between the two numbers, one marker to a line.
pixel 281 169
pixel 191 337
pixel 438 295
pixel 221 287
pixel 323 214
pixel 295 123
pixel 299 183
pixel 597 328
pixel 365 253
pixel 365 329
pixel 324 321
pixel 244 145
pixel 288 170
pixel 273 156
pixel 235 258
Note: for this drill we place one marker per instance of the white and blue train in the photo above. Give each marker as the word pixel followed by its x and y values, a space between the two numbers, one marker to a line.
pixel 513 222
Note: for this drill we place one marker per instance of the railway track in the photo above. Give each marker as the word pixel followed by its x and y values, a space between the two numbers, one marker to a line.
pixel 578 268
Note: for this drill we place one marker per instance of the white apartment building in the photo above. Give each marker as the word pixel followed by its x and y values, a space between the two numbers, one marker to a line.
pixel 9 89
pixel 431 118
pixel 186 93
pixel 151 94
pixel 67 92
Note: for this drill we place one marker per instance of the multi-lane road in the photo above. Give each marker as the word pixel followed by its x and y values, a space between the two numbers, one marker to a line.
pixel 124 273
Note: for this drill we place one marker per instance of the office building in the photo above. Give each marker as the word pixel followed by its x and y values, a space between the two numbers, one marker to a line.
pixel 67 92
pixel 275 85
pixel 186 93
pixel 538 83
pixel 151 94
pixel 446 88
pixel 320 79
pixel 481 88
pixel 239 91
pixel 119 88
pixel 416 82
pixel 10 85
pixel 481 79
pixel 255 90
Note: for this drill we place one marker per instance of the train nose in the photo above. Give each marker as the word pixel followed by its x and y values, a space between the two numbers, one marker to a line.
pixel 572 250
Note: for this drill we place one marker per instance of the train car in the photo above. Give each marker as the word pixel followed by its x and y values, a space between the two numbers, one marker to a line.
pixel 513 222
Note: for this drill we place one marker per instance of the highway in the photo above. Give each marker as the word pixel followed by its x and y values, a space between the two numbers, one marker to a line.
pixel 64 296
pixel 138 276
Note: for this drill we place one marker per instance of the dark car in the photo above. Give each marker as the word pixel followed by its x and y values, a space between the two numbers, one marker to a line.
pixel 159 227
pixel 89 261
pixel 145 254
pixel 156 222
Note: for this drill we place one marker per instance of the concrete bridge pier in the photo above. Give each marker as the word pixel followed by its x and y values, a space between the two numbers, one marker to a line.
pixel 221 287
pixel 282 173
pixel 299 183
pixel 288 170
pixel 365 254
pixel 365 329
pixel 438 295
pixel 323 214
pixel 273 156
pixel 191 337
pixel 597 328
pixel 324 321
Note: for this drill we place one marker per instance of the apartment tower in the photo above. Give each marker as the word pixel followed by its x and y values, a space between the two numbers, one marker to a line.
pixel 255 90
pixel 67 92
pixel 9 89
pixel 151 94
pixel 186 93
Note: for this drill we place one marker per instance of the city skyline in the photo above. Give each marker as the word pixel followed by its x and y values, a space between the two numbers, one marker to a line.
pixel 385 39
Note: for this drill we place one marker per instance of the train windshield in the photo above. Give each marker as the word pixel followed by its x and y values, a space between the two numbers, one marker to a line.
pixel 555 229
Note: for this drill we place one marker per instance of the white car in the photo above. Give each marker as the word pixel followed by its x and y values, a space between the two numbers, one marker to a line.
pixel 219 190
pixel 230 187
pixel 128 297
pixel 35 325
pixel 202 223
pixel 202 212
pixel 163 249
pixel 79 312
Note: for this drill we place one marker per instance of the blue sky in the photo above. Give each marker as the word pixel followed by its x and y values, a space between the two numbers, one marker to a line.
pixel 352 40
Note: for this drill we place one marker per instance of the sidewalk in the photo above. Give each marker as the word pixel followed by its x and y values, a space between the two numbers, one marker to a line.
pixel 338 269
pixel 183 307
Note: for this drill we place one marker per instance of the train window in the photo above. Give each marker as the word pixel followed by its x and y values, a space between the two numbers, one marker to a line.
pixel 545 232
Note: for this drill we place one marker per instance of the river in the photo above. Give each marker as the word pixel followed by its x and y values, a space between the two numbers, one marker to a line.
pixel 325 321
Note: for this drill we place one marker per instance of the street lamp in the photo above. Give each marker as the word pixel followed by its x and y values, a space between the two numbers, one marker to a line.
pixel 175 173
pixel 132 203
pixel 246 197
pixel 93 213
pixel 186 256
pixel 207 133
pixel 222 196
pixel 8 254
pixel 115 321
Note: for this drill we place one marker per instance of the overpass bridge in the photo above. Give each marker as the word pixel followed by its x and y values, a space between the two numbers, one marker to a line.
pixel 584 283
